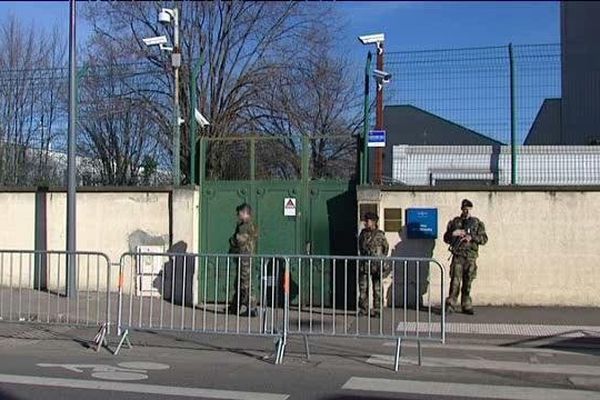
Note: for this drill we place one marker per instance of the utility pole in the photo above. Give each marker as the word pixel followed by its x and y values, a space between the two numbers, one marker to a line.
pixel 379 117
pixel 176 63
pixel 364 166
pixel 71 283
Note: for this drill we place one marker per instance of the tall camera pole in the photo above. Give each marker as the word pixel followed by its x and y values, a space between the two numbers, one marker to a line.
pixel 71 284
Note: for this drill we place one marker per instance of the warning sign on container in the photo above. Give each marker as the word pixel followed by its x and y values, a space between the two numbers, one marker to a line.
pixel 289 207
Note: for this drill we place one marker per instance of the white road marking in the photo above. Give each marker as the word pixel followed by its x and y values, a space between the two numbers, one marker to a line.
pixel 471 363
pixel 467 390
pixel 529 330
pixel 140 388
pixel 125 371
pixel 475 347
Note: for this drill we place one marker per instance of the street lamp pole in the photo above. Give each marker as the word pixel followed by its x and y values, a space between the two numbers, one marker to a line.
pixel 176 63
pixel 71 281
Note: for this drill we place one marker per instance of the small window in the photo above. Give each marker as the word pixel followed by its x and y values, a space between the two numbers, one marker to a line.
pixel 367 207
pixel 392 218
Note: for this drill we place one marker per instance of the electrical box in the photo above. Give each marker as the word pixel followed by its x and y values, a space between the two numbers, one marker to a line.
pixel 422 223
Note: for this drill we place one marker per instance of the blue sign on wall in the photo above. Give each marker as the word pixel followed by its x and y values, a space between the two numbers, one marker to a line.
pixel 422 223
pixel 376 139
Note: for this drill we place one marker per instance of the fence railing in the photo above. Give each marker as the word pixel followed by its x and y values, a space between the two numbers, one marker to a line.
pixel 33 288
pixel 274 296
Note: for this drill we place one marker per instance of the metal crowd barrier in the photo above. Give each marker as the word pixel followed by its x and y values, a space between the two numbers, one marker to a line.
pixel 291 295
pixel 33 288
pixel 203 293
pixel 171 291
pixel 326 300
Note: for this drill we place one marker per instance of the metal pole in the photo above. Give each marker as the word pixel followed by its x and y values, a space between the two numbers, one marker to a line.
pixel 193 123
pixel 176 62
pixel 71 283
pixel 379 118
pixel 513 119
pixel 364 178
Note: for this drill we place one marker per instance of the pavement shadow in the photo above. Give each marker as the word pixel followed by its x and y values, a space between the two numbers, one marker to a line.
pixel 365 397
pixel 587 343
pixel 411 278
pixel 4 395
pixel 203 345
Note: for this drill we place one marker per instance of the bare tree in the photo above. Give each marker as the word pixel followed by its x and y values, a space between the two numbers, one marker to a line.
pixel 247 46
pixel 31 103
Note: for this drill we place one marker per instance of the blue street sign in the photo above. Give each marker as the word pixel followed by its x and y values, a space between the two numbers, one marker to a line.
pixel 376 139
pixel 422 223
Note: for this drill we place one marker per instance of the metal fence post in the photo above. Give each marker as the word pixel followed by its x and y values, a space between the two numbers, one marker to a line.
pixel 513 118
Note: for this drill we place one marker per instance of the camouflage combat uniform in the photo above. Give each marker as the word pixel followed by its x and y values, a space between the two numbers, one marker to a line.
pixel 372 243
pixel 464 259
pixel 243 241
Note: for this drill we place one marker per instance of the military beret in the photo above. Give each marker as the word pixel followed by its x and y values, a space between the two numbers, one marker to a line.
pixel 371 216
pixel 466 204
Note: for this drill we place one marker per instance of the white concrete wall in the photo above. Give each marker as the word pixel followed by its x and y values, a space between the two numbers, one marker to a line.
pixel 112 223
pixel 542 249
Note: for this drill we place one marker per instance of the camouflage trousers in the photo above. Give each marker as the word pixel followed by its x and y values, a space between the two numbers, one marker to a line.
pixel 242 286
pixel 375 272
pixel 462 274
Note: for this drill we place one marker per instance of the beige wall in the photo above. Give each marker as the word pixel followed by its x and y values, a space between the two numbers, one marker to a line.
pixel 109 222
pixel 542 249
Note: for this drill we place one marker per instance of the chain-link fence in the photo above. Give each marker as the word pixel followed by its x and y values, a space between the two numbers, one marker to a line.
pixel 488 115
pixel 254 157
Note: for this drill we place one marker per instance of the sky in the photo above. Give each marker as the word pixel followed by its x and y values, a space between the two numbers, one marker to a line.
pixel 412 25
pixel 408 25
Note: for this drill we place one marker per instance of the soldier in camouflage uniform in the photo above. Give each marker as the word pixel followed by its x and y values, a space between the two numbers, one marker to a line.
pixel 372 243
pixel 243 241
pixel 464 235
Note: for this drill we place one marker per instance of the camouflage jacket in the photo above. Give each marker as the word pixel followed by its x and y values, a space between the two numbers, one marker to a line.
pixel 475 228
pixel 243 240
pixel 373 243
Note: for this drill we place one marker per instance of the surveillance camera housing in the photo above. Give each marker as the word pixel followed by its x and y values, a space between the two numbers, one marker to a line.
pixel 200 118
pixel 164 17
pixel 370 39
pixel 155 41
pixel 382 76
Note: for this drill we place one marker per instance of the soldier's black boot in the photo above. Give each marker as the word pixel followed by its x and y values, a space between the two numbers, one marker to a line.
pixel 468 311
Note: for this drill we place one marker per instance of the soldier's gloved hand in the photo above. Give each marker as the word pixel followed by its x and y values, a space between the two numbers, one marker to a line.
pixel 459 232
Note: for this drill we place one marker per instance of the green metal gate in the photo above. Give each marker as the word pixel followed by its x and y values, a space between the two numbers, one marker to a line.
pixel 264 172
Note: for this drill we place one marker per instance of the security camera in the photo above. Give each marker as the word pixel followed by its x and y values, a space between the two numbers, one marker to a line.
pixel 382 76
pixel 200 118
pixel 369 39
pixel 164 16
pixel 155 41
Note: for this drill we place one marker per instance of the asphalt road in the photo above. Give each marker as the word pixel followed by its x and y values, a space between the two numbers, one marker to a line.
pixel 37 363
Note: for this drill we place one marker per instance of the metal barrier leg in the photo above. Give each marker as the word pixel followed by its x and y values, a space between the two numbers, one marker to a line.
pixel 398 353
pixel 124 340
pixel 306 348
pixel 100 338
pixel 280 350
pixel 420 353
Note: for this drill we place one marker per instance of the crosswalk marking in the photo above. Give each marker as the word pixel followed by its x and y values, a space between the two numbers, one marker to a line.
pixel 467 390
pixel 484 364
pixel 140 388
